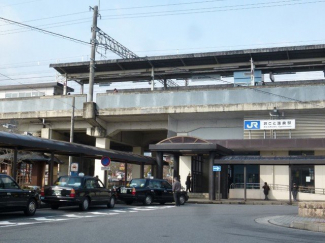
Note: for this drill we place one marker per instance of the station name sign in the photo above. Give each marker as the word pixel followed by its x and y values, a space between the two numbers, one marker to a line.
pixel 283 124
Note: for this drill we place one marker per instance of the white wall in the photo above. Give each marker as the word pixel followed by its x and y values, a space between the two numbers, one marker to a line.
pixel 184 168
pixel 281 175
pixel 319 176
pixel 105 144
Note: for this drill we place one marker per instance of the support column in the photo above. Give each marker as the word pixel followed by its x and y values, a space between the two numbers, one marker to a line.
pixel 142 171
pixel 160 165
pixel 14 165
pixel 51 166
pixel 137 170
pixel 290 185
pixel 105 144
pixel 176 166
pixel 245 183
pixel 212 194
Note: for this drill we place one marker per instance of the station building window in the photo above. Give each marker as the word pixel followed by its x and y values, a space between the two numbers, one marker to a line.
pixel 303 175
pixel 252 176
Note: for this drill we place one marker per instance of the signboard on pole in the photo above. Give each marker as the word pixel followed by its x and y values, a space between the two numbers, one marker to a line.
pixel 106 161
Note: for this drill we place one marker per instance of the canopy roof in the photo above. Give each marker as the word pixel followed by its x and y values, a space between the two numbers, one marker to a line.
pixel 30 143
pixel 276 60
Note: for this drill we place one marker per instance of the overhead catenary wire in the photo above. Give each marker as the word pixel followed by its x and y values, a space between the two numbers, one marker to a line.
pixel 46 31
pixel 192 11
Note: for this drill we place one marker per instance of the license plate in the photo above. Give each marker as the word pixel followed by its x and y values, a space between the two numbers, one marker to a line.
pixel 123 190
pixel 56 193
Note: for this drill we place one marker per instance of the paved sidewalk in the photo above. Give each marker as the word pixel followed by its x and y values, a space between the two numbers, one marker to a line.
pixel 240 201
pixel 289 221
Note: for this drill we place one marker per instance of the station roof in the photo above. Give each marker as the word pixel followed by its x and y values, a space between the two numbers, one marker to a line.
pixel 188 145
pixel 276 60
pixel 271 160
pixel 35 144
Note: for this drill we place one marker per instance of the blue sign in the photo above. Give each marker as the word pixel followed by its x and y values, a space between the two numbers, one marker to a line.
pixel 252 125
pixel 216 168
pixel 106 161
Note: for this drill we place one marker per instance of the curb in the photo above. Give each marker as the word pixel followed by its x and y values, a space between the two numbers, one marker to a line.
pixel 315 226
pixel 240 202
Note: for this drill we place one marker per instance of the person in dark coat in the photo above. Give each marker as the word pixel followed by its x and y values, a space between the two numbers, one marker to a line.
pixel 176 190
pixel 294 191
pixel 266 190
pixel 188 182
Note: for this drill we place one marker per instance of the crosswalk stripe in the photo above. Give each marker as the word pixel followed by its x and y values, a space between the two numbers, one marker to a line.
pixel 39 220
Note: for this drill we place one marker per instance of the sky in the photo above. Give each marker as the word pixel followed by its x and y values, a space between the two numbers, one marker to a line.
pixel 149 28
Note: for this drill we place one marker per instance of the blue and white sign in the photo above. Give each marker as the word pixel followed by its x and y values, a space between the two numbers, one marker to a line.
pixel 105 161
pixel 283 124
pixel 252 125
pixel 216 168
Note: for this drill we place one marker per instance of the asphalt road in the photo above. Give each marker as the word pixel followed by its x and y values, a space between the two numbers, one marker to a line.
pixel 157 223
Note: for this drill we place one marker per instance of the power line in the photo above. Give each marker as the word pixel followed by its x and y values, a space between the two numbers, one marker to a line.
pixel 5 6
pixel 210 10
pixel 164 5
pixel 189 11
pixel 45 31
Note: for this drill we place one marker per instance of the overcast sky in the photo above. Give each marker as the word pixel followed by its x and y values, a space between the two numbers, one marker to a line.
pixel 148 28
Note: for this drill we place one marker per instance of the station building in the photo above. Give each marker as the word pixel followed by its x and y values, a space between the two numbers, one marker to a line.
pixel 253 130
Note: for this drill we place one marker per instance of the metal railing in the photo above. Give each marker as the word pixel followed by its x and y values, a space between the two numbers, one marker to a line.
pixel 279 187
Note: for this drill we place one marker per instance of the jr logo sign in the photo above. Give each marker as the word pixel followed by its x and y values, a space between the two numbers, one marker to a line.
pixel 252 125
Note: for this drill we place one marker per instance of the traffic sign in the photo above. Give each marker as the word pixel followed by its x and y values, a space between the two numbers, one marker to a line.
pixel 106 161
pixel 217 168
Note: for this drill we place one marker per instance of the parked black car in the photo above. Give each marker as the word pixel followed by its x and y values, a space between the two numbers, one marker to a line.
pixel 82 191
pixel 148 191
pixel 13 198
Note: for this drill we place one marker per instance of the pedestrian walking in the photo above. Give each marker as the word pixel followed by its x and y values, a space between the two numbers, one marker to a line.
pixel 266 190
pixel 294 191
pixel 176 190
pixel 188 182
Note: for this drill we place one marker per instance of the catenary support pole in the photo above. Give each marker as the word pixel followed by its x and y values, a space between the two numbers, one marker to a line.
pixel 71 132
pixel 92 56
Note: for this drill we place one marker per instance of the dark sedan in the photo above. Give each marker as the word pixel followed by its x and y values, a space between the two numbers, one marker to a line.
pixel 148 191
pixel 82 191
pixel 13 198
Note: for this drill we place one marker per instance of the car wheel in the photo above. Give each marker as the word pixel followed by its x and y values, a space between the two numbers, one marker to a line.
pixel 147 200
pixel 111 203
pixel 84 206
pixel 31 208
pixel 129 202
pixel 182 199
pixel 54 207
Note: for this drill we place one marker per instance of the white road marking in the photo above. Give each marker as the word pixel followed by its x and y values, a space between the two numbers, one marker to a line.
pixel 49 219
pixel 5 223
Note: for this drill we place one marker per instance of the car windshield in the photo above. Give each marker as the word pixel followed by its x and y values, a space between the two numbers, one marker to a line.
pixel 68 181
pixel 137 182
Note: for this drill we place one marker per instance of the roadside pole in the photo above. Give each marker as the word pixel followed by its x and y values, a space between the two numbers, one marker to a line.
pixel 71 132
pixel 92 56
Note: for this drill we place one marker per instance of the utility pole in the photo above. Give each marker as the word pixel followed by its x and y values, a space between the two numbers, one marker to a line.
pixel 71 132
pixel 92 55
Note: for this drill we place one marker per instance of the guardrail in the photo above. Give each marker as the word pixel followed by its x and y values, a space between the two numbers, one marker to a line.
pixel 302 189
